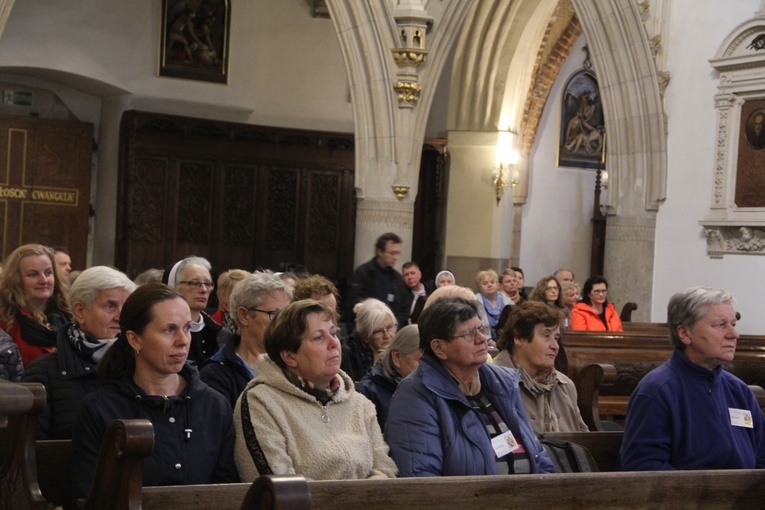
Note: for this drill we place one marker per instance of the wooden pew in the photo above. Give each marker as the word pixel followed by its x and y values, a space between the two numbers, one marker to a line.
pixel 605 490
pixel 607 366
pixel 604 446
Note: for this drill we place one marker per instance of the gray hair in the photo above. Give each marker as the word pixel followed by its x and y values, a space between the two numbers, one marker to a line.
pixel 370 314
pixel 92 281
pixel 687 307
pixel 405 341
pixel 442 318
pixel 175 274
pixel 253 290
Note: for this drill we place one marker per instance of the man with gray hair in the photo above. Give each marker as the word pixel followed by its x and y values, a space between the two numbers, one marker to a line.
pixel 253 303
pixel 690 413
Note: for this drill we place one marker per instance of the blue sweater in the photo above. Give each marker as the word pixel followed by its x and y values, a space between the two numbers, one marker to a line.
pixel 678 418
pixel 432 429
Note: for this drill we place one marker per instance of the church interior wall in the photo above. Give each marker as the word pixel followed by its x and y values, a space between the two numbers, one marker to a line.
pixel 680 250
pixel 556 218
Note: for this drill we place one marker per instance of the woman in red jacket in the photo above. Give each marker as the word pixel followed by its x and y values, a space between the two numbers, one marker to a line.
pixel 594 312
pixel 33 300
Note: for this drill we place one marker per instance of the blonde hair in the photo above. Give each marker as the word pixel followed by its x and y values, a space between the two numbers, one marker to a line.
pixel 14 297
pixel 482 275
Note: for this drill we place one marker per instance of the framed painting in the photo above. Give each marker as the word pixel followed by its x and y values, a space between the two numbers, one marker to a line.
pixel 194 40
pixel 582 130
pixel 750 179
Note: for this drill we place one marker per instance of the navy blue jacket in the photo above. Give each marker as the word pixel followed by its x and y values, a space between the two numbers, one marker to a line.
pixel 68 376
pixel 226 372
pixel 432 429
pixel 203 455
pixel 378 388
pixel 678 418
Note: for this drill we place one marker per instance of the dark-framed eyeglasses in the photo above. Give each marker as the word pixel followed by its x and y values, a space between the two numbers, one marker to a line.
pixel 196 285
pixel 271 313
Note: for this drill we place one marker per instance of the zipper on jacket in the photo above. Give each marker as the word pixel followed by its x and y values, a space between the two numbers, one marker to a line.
pixel 324 414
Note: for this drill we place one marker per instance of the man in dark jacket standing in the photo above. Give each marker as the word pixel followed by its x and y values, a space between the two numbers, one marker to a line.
pixel 378 279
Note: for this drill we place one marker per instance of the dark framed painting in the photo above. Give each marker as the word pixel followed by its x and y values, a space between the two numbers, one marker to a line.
pixel 750 179
pixel 194 40
pixel 582 129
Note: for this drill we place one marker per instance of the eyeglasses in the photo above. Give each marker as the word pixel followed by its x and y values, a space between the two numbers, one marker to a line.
pixel 600 291
pixel 271 314
pixel 196 285
pixel 470 334
pixel 379 332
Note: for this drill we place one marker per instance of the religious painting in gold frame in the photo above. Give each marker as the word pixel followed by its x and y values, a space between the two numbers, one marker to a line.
pixel 194 40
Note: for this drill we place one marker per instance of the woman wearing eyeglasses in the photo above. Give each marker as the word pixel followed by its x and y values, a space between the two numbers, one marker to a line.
pixel 191 277
pixel 301 414
pixel 456 414
pixel 254 302
pixel 375 327
pixel 594 312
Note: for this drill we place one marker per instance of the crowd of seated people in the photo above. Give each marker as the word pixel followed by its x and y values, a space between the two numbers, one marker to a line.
pixel 270 383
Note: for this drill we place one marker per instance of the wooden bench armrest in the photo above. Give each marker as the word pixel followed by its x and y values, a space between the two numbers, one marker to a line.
pixel 119 473
pixel 18 468
pixel 590 379
pixel 627 309
pixel 272 492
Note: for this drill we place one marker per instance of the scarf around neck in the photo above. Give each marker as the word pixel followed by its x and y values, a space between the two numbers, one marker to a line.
pixel 323 395
pixel 35 333
pixel 89 347
pixel 541 392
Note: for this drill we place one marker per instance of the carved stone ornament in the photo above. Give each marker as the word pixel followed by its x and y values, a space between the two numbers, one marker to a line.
pixel 409 56
pixel 408 93
pixel 400 191
pixel 735 223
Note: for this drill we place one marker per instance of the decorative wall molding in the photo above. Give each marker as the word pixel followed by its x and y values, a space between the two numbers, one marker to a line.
pixel 371 213
pixel 735 223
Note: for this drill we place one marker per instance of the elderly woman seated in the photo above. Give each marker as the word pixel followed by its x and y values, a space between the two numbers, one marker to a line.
pixel 69 374
pixel 456 414
pixel 530 343
pixel 301 414
pixel 690 413
pixel 254 303
pixel 375 327
pixel 147 377
pixel 397 360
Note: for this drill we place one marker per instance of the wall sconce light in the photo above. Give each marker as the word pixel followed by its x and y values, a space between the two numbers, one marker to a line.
pixel 506 173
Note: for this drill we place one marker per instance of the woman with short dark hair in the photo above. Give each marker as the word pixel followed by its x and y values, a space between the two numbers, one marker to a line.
pixel 456 414
pixel 530 343
pixel 301 414
pixel 594 312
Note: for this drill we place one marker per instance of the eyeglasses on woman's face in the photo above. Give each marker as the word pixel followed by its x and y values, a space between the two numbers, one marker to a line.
pixel 196 284
pixel 390 330
pixel 600 292
pixel 470 334
pixel 271 313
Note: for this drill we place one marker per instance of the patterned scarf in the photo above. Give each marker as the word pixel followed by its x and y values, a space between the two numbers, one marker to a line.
pixel 323 395
pixel 541 391
pixel 228 323
pixel 90 348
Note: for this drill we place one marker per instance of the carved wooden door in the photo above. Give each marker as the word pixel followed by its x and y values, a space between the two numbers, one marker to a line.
pixel 45 184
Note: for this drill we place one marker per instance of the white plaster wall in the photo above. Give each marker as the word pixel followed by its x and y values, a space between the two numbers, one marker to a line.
pixel 698 28
pixel 285 67
pixel 556 229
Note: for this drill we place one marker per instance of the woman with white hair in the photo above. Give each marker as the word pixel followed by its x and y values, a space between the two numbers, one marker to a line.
pixel 690 413
pixel 192 278
pixel 375 327
pixel 399 359
pixel 69 374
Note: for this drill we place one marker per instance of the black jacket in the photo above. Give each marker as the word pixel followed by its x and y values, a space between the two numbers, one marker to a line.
pixel 193 433
pixel 225 372
pixel 378 388
pixel 68 376
pixel 430 286
pixel 206 342
pixel 372 281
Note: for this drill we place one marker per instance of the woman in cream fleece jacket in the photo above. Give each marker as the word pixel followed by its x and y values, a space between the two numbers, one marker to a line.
pixel 301 414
